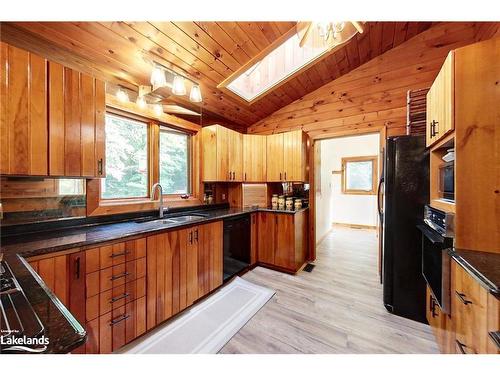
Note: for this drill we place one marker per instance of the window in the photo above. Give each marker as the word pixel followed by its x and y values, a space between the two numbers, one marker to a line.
pixel 359 175
pixel 126 158
pixel 174 162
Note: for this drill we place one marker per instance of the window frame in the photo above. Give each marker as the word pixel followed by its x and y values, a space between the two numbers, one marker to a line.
pixel 148 162
pixel 167 129
pixel 98 206
pixel 353 159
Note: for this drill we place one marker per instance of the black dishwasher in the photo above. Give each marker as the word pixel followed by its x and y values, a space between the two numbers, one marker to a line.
pixel 236 245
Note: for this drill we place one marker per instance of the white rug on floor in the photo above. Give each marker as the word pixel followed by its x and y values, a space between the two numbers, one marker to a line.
pixel 207 326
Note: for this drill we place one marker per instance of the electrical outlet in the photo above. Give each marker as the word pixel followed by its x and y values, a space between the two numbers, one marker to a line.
pixel 223 196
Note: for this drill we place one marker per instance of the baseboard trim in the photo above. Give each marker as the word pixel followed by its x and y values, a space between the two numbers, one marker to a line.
pixel 354 226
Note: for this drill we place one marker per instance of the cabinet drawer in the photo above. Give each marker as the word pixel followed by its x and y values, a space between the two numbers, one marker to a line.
pixel 122 325
pixel 469 308
pixel 121 295
pixel 111 255
pixel 115 276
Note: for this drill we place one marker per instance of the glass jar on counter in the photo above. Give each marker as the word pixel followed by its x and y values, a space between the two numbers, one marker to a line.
pixel 281 202
pixel 289 204
pixel 274 202
pixel 298 204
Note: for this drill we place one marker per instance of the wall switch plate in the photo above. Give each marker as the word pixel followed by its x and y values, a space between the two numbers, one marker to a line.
pixel 223 196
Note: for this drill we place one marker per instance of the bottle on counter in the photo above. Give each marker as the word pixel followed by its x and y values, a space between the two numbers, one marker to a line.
pixel 210 199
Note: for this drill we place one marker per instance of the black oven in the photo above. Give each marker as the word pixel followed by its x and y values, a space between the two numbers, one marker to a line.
pixel 437 238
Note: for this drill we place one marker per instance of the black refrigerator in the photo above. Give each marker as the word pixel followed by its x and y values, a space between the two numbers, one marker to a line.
pixel 406 190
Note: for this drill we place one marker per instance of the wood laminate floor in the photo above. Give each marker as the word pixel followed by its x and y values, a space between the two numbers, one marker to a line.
pixel 335 309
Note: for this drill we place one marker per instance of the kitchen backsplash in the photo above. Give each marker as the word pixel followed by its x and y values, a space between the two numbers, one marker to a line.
pixel 33 199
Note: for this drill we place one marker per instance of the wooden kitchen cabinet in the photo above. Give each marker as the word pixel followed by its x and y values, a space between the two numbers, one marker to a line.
pixel 275 148
pixel 287 159
pixel 282 240
pixel 222 154
pixel 440 103
pixel 210 257
pixel 183 265
pixel 23 114
pixel 254 158
pixel 76 123
pixel 469 309
pixel 52 118
pixel 64 275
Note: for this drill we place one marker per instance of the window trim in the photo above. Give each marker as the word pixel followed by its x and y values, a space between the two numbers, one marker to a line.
pixel 374 160
pixel 166 129
pixel 148 154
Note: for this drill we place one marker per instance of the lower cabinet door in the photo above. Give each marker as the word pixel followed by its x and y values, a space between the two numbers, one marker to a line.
pixel 267 233
pixel 210 254
pixel 284 253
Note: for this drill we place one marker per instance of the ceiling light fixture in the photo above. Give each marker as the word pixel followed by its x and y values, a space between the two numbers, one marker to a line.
pixel 141 102
pixel 195 94
pixel 178 87
pixel 122 96
pixel 330 29
pixel 158 77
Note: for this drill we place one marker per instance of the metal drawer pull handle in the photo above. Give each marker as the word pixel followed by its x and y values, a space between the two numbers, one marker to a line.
pixel 461 347
pixel 114 299
pixel 118 320
pixel 461 297
pixel 125 274
pixel 114 255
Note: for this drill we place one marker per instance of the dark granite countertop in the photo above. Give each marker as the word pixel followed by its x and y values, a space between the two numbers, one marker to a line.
pixel 482 266
pixel 64 331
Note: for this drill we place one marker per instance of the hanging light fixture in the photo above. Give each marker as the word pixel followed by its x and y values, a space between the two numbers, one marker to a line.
pixel 158 108
pixel 158 77
pixel 141 102
pixel 121 95
pixel 195 94
pixel 178 86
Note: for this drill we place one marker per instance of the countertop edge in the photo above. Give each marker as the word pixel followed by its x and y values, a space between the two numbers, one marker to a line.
pixel 477 275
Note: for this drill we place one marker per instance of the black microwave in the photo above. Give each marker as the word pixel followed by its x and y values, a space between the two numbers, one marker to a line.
pixel 447 181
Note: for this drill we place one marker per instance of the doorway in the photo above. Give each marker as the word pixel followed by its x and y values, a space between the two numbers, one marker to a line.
pixel 347 171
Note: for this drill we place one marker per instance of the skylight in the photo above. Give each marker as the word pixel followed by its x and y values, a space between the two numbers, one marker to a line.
pixel 284 61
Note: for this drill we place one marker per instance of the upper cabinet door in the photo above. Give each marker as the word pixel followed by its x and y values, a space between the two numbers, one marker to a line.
pixel 275 170
pixel 235 156
pixel 254 158
pixel 222 155
pixel 294 156
pixel 76 123
pixel 23 118
pixel 440 102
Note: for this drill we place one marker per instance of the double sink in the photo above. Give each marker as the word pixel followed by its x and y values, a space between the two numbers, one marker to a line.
pixel 174 219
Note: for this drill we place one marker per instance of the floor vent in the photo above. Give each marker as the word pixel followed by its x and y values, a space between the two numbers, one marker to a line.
pixel 309 267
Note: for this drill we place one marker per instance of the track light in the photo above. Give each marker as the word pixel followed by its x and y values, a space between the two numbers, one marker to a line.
pixel 158 77
pixel 178 87
pixel 195 94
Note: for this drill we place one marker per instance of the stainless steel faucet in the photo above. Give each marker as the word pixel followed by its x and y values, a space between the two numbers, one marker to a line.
pixel 153 190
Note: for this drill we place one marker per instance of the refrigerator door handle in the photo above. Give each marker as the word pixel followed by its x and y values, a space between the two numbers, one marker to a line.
pixel 379 200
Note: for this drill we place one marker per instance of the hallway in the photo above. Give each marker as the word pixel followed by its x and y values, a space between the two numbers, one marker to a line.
pixel 335 309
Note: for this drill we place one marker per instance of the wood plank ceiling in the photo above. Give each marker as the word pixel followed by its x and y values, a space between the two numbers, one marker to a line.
pixel 208 52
